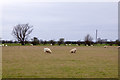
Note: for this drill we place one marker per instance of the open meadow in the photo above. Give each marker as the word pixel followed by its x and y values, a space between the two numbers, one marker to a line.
pixel 32 62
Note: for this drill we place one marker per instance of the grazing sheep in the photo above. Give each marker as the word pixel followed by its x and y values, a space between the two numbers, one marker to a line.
pixel 31 44
pixel 73 50
pixel 66 44
pixel 105 46
pixel 47 50
pixel 69 44
pixel 76 44
pixel 118 47
pixel 51 44
pixel 3 45
pixel 91 45
pixel 6 45
pixel 86 45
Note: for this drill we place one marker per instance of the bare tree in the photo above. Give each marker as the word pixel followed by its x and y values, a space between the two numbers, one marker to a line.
pixel 21 32
pixel 88 39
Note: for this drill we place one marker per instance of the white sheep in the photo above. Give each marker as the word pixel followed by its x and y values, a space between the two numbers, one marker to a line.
pixel 105 46
pixel 86 45
pixel 66 44
pixel 51 44
pixel 118 47
pixel 47 50
pixel 91 45
pixel 31 44
pixel 69 44
pixel 6 45
pixel 3 45
pixel 76 44
pixel 73 50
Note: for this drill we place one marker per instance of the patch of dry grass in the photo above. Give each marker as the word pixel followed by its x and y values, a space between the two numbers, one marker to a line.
pixel 88 62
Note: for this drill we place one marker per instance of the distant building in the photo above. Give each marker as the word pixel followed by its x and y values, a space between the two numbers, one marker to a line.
pixel 99 39
pixel 104 40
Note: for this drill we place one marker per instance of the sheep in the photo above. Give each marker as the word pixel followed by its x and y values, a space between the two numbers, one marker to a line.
pixel 3 45
pixel 31 44
pixel 69 44
pixel 105 46
pixel 76 44
pixel 91 45
pixel 73 50
pixel 86 45
pixel 66 44
pixel 47 50
pixel 6 45
pixel 118 47
pixel 51 44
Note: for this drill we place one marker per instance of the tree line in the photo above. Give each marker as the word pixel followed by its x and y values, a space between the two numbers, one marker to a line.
pixel 22 31
pixel 36 41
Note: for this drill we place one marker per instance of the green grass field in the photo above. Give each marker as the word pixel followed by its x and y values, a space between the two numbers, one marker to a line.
pixel 32 62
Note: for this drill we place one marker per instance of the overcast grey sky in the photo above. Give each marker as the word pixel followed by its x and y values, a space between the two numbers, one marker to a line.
pixel 70 20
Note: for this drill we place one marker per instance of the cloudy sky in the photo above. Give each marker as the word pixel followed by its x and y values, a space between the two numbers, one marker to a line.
pixel 69 20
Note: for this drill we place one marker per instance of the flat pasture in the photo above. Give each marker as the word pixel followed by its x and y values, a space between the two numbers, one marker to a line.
pixel 32 62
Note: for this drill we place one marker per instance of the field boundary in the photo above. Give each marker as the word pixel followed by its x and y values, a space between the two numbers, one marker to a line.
pixel 60 79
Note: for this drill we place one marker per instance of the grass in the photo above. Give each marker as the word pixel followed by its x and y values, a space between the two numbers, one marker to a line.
pixel 32 62
pixel 0 63
pixel 18 44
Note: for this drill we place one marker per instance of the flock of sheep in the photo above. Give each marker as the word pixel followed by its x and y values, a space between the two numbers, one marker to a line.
pixel 47 50
pixel 3 45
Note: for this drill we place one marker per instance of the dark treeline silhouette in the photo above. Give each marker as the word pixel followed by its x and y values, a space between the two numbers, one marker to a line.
pixel 36 41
